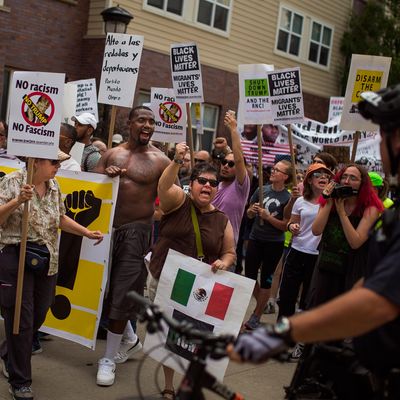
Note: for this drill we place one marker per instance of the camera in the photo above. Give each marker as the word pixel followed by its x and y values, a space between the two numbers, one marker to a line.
pixel 217 155
pixel 341 192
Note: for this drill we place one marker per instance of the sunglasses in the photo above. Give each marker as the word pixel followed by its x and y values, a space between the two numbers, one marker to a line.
pixel 213 182
pixel 55 162
pixel 231 164
pixel 321 175
pixel 199 160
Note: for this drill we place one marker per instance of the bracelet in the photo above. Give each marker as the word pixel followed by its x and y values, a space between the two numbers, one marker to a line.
pixel 288 226
pixel 178 161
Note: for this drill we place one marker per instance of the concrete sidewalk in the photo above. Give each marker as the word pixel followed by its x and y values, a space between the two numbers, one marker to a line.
pixel 66 370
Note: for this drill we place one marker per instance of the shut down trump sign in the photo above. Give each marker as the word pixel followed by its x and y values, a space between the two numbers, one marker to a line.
pixel 214 302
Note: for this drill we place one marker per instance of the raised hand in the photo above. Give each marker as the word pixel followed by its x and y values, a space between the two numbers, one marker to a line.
pixel 180 150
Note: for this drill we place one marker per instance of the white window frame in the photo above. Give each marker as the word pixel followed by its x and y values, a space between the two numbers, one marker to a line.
pixel 278 28
pixel 212 130
pixel 210 27
pixel 144 94
pixel 164 12
pixel 323 25
pixel 305 38
pixel 189 16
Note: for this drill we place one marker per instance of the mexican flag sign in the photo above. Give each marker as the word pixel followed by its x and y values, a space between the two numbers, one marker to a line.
pixel 215 302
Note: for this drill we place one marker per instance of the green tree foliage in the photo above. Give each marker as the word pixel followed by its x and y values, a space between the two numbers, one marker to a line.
pixel 376 31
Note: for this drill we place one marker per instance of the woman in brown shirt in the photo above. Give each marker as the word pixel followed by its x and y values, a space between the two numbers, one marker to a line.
pixel 177 231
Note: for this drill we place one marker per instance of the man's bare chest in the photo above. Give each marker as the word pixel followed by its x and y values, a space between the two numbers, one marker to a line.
pixel 141 169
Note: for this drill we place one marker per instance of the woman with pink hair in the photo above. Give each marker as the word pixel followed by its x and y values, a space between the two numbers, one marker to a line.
pixel 346 215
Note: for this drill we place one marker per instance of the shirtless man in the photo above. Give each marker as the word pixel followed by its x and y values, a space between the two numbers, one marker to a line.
pixel 139 165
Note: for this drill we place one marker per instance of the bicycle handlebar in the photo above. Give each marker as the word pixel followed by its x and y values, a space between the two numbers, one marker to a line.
pixel 153 314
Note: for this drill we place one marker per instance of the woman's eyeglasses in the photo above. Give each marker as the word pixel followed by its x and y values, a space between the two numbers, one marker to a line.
pixel 55 162
pixel 352 178
pixel 274 169
pixel 231 164
pixel 213 182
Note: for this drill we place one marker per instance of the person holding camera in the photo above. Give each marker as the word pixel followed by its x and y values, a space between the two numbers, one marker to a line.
pixel 349 209
pixel 370 312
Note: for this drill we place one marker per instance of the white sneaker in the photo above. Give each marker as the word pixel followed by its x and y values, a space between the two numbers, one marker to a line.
pixel 126 350
pixel 105 372
pixel 297 352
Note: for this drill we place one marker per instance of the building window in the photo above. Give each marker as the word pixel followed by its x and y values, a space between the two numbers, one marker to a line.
pixel 171 6
pixel 290 31
pixel 302 38
pixel 143 98
pixel 210 121
pixel 214 13
pixel 320 44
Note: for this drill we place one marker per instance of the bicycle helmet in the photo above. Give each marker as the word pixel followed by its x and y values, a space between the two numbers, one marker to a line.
pixel 382 107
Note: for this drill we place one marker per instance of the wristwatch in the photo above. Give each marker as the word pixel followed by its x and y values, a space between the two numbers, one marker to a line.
pixel 178 161
pixel 283 330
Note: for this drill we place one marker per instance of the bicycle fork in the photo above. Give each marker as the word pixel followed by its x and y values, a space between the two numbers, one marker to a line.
pixel 196 378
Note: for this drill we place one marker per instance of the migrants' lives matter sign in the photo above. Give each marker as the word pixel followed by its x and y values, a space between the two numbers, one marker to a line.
pixel 35 114
pixel 286 96
pixel 186 73
pixel 120 69
pixel 367 74
pixel 254 101
pixel 170 116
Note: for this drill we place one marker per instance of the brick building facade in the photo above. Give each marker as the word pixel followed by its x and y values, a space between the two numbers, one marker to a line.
pixel 50 35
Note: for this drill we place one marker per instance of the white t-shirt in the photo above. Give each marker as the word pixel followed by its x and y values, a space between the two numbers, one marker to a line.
pixel 70 165
pixel 305 241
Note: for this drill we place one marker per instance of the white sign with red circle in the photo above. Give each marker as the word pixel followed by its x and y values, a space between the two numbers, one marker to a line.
pixel 170 116
pixel 35 114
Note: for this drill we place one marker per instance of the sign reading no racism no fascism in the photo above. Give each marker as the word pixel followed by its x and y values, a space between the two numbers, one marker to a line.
pixel 170 116
pixel 35 114
pixel 120 69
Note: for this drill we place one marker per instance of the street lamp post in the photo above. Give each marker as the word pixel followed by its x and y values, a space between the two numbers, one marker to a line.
pixel 116 20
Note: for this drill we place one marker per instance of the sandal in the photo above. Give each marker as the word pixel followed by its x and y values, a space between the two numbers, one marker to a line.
pixel 168 394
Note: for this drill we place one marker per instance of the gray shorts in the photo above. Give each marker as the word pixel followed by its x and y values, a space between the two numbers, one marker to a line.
pixel 128 272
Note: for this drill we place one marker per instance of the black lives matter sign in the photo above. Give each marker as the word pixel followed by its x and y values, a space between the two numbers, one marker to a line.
pixel 286 96
pixel 186 73
pixel 185 58
pixel 284 83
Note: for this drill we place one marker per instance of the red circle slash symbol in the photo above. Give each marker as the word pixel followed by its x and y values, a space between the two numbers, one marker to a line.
pixel 170 112
pixel 37 108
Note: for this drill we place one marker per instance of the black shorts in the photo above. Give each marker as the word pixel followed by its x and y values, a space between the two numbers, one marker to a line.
pixel 265 255
pixel 128 272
